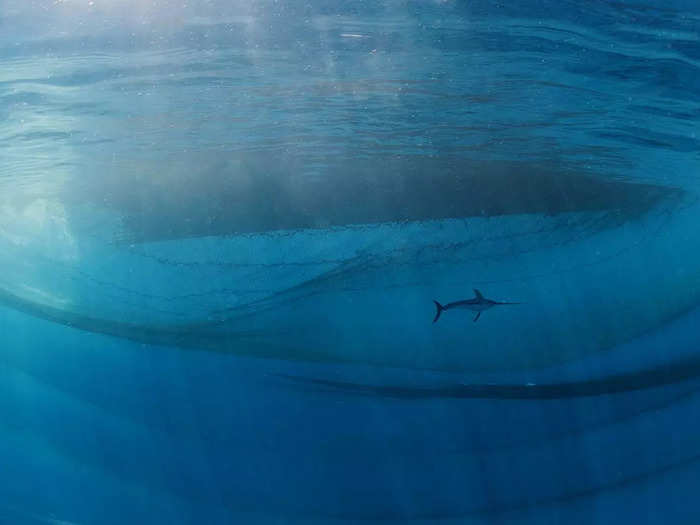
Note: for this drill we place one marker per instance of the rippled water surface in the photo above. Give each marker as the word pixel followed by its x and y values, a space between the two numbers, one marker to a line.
pixel 223 226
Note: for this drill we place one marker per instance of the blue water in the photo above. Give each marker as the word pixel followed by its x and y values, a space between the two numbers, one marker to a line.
pixel 223 226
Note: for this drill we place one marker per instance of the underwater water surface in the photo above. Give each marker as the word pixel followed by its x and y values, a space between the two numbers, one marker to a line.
pixel 252 255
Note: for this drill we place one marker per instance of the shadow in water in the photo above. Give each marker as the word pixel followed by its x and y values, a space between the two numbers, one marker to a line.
pixel 254 194
pixel 658 376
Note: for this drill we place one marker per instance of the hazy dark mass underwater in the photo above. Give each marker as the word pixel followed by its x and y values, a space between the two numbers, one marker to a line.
pixel 331 186
pixel 225 227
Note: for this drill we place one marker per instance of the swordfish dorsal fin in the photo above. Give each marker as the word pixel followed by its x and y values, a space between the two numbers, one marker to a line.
pixel 478 294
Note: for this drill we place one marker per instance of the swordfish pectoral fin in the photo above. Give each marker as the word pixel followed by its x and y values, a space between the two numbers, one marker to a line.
pixel 478 314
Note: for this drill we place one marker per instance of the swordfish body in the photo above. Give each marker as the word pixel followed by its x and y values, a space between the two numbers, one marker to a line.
pixel 478 304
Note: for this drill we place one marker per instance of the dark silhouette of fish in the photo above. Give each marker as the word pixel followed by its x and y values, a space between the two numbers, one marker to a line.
pixel 478 304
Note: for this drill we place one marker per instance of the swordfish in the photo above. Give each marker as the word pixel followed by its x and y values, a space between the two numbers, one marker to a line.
pixel 478 304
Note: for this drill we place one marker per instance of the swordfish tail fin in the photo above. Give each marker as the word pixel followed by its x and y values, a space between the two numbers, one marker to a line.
pixel 438 310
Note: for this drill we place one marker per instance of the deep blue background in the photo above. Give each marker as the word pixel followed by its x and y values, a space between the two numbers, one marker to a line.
pixel 120 122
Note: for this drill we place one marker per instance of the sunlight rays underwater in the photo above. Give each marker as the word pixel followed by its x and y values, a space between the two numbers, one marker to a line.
pixel 223 224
